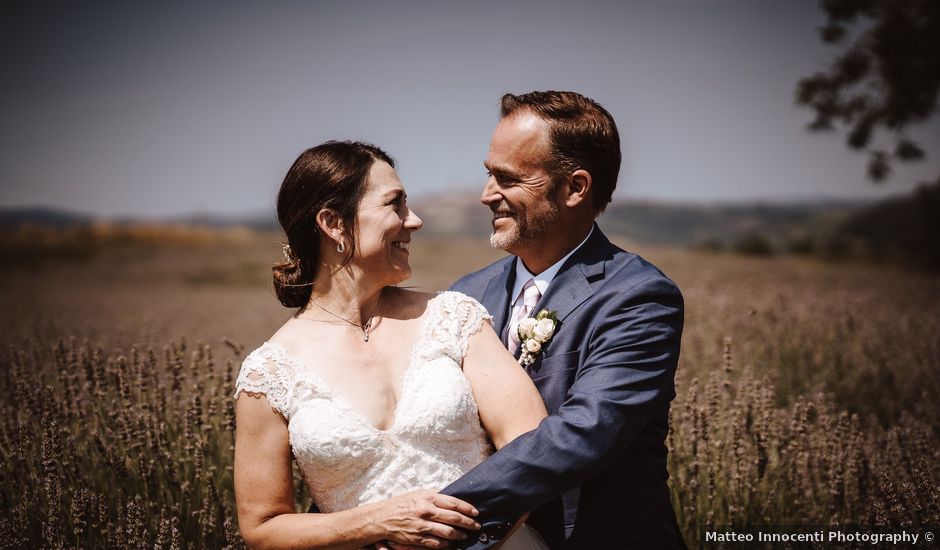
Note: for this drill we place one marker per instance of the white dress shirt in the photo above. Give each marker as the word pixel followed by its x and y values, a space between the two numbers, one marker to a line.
pixel 542 280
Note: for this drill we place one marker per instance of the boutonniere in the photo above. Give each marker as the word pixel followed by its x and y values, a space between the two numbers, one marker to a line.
pixel 535 332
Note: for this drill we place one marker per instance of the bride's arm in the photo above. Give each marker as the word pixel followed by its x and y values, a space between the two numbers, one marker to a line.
pixel 265 499
pixel 509 403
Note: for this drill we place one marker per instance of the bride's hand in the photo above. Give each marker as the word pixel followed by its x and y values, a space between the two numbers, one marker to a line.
pixel 426 519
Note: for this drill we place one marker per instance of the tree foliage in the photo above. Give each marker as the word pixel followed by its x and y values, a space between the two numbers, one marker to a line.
pixel 886 78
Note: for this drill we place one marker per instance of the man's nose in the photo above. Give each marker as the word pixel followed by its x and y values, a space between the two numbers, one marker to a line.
pixel 491 192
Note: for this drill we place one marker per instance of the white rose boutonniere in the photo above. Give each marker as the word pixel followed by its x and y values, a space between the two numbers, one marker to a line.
pixel 526 328
pixel 544 329
pixel 534 333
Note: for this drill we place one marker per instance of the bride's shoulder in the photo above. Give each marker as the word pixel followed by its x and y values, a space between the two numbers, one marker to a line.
pixel 453 317
pixel 456 309
pixel 278 351
pixel 286 337
pixel 267 371
pixel 459 301
pixel 421 304
pixel 270 358
pixel 412 301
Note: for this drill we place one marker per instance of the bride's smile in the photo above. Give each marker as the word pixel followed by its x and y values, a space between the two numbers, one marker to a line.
pixel 384 224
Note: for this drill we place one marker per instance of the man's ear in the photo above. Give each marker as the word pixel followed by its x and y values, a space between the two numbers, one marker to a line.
pixel 330 224
pixel 578 188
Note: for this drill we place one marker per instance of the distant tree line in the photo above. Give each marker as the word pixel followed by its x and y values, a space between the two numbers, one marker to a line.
pixel 901 230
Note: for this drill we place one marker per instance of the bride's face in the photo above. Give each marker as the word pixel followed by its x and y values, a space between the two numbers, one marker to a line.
pixel 384 225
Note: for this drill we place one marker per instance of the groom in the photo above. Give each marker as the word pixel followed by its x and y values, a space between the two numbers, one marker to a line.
pixel 594 471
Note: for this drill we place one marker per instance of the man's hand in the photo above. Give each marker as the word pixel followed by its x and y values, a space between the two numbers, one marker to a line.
pixel 424 519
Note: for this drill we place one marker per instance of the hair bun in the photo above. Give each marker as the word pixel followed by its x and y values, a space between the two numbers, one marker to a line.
pixel 291 284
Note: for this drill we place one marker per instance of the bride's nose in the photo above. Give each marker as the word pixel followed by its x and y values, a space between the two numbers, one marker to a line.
pixel 412 221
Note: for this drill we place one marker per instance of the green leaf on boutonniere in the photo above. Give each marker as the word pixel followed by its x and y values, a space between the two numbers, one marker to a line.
pixel 547 314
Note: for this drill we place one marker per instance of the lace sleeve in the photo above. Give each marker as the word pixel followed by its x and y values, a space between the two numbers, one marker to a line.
pixel 264 373
pixel 464 317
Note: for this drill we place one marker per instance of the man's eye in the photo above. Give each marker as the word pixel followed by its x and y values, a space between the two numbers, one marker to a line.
pixel 501 179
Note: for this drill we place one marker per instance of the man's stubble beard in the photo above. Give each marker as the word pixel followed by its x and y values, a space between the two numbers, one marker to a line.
pixel 536 227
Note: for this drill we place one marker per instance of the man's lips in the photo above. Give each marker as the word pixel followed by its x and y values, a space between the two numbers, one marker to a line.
pixel 501 215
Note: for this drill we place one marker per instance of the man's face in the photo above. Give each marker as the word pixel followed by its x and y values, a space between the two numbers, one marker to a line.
pixel 519 189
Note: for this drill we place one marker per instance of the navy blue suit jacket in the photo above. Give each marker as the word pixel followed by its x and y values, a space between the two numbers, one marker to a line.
pixel 594 471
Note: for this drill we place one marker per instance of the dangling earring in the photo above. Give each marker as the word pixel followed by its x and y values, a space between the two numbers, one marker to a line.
pixel 341 247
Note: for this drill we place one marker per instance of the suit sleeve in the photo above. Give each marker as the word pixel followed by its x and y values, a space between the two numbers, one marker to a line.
pixel 627 376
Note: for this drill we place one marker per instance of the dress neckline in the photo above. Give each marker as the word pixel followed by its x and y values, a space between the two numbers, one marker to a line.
pixel 341 400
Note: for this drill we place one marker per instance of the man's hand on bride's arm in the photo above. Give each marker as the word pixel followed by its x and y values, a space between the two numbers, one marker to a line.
pixel 264 494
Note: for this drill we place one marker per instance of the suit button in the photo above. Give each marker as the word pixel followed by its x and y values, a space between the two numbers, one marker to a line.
pixel 483 538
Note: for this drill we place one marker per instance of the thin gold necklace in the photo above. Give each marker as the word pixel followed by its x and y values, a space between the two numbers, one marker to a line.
pixel 364 327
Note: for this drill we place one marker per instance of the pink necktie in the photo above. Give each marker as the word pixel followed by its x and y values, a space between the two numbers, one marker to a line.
pixel 530 298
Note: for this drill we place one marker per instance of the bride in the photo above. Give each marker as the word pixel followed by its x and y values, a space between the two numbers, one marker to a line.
pixel 382 396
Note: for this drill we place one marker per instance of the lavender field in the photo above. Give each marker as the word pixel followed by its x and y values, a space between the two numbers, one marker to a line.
pixel 807 391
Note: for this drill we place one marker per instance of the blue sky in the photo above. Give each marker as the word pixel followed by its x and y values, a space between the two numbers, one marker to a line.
pixel 119 108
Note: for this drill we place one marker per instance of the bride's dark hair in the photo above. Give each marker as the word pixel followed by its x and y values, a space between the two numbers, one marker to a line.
pixel 331 175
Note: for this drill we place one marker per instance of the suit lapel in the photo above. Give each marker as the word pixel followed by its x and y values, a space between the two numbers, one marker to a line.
pixel 572 285
pixel 569 289
pixel 496 296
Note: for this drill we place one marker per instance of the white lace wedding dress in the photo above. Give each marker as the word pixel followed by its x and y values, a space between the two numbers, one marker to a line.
pixel 436 436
